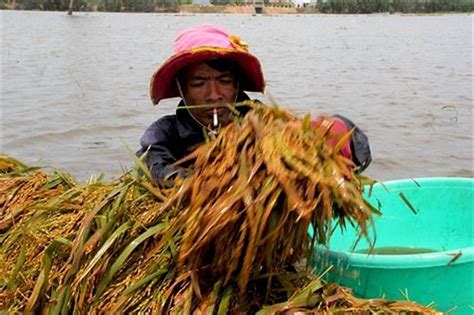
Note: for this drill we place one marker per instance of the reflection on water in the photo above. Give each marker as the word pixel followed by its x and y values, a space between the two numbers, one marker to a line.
pixel 73 87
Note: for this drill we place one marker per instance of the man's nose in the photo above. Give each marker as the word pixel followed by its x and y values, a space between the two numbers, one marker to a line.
pixel 214 92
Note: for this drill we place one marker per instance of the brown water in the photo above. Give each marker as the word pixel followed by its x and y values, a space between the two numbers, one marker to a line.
pixel 394 250
pixel 72 87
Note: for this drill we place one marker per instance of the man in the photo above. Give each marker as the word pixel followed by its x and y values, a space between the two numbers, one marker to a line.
pixel 209 70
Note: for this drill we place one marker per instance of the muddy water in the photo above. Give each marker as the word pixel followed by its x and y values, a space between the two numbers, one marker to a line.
pixel 396 250
pixel 73 87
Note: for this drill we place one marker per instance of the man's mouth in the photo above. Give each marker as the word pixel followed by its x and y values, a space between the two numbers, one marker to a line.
pixel 219 111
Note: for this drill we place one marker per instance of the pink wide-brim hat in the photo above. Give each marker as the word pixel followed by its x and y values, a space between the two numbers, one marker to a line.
pixel 203 43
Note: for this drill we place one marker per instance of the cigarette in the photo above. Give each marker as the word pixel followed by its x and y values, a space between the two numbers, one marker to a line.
pixel 215 120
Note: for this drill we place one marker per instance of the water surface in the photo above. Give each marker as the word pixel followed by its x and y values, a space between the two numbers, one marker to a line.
pixel 73 87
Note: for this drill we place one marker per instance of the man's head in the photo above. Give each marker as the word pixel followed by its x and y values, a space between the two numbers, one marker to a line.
pixel 212 84
pixel 205 45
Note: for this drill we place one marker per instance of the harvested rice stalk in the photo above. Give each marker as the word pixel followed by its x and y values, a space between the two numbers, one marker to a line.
pixel 319 297
pixel 223 240
pixel 51 251
pixel 255 191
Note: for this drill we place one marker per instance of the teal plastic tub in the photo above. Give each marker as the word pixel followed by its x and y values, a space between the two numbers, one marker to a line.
pixel 423 245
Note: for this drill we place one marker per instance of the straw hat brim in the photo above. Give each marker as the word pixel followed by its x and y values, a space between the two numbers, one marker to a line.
pixel 163 85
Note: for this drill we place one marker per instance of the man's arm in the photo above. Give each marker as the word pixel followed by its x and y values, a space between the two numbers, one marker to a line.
pixel 157 142
pixel 159 161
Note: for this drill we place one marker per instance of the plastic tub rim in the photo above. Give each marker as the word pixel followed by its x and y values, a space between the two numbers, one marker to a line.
pixel 429 180
pixel 436 259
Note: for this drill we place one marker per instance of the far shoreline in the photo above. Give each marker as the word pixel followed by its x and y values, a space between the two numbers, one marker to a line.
pixel 233 9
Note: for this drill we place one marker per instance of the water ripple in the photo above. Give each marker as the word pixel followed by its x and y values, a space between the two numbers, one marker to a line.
pixel 72 87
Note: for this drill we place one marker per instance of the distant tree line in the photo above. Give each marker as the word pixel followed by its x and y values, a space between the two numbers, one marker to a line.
pixel 324 6
pixel 96 5
pixel 392 6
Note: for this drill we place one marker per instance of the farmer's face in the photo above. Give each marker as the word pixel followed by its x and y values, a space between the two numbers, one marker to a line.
pixel 204 85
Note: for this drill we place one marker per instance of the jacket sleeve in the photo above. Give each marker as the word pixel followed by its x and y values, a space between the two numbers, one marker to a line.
pixel 157 143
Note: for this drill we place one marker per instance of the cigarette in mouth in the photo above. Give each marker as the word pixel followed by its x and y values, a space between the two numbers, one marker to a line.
pixel 215 120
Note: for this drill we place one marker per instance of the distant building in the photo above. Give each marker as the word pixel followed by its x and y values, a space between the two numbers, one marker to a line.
pixel 306 3
pixel 202 2
pixel 282 2
pixel 301 3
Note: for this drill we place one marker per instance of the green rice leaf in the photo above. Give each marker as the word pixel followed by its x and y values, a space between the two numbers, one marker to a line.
pixel 63 299
pixel 144 281
pixel 408 203
pixel 53 183
pixel 11 284
pixel 138 161
pixel 124 255
pixel 306 122
pixel 42 280
pixel 214 297
pixel 109 242
pixel 225 302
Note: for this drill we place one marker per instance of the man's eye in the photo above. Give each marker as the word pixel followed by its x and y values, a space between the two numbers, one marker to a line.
pixel 226 80
pixel 196 84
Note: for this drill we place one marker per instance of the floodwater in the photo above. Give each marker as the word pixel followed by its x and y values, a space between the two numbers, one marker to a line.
pixel 74 88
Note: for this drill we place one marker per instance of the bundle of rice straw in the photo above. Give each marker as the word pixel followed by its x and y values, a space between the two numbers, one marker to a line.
pixel 226 239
